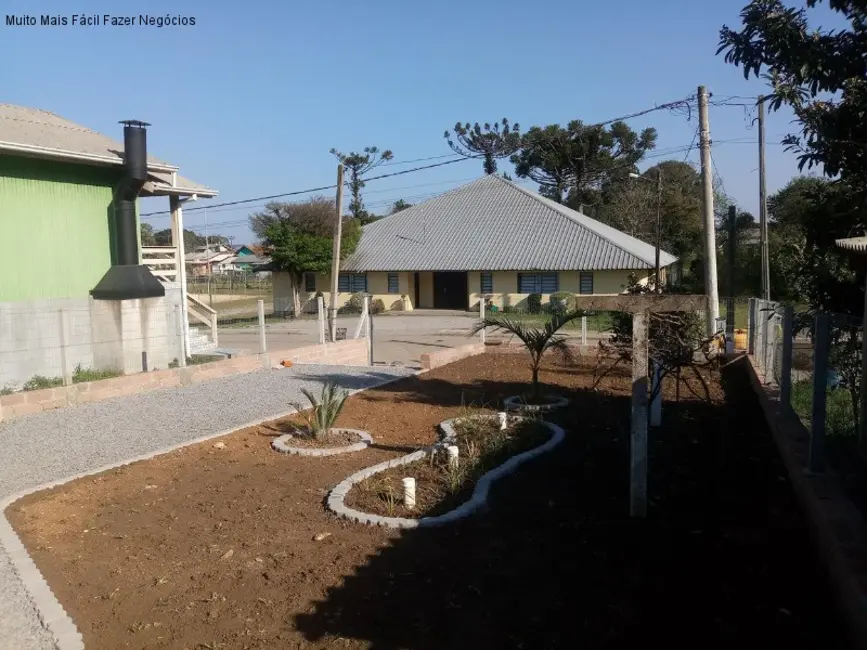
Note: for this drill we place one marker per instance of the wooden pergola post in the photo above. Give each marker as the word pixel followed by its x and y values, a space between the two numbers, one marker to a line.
pixel 640 306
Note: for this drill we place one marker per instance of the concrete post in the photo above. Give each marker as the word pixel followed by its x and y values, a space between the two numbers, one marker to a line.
pixel 320 304
pixel 260 310
pixel 786 369
pixel 452 451
pixel 65 369
pixel 638 436
pixel 751 327
pixel 821 350
pixel 656 391
pixel 482 318
pixel 180 331
pixel 583 330
pixel 409 493
pixel 368 330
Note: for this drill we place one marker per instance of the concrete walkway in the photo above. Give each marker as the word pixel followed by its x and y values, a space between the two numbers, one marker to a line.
pixel 55 445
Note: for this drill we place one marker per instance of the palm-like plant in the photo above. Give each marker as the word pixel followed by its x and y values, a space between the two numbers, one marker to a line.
pixel 537 340
pixel 326 409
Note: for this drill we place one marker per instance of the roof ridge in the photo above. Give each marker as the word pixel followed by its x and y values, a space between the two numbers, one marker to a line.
pixel 558 208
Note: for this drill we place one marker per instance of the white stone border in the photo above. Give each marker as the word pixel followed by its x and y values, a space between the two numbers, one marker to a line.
pixel 477 501
pixel 51 613
pixel 280 444
pixel 516 403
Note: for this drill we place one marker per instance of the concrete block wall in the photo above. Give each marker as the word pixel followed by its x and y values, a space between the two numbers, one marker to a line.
pixel 102 335
pixel 351 352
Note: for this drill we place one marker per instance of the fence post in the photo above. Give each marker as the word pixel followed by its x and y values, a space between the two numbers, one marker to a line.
pixel 65 370
pixel 482 318
pixel 583 330
pixel 786 366
pixel 656 391
pixel 260 310
pixel 751 327
pixel 368 331
pixel 320 304
pixel 638 433
pixel 179 327
pixel 821 349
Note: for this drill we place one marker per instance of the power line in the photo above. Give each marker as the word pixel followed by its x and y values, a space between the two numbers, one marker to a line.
pixel 685 103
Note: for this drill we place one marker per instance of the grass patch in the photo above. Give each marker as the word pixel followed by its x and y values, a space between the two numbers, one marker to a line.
pixel 839 419
pixel 197 360
pixel 81 375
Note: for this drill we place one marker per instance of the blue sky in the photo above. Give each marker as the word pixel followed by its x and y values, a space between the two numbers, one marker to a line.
pixel 250 100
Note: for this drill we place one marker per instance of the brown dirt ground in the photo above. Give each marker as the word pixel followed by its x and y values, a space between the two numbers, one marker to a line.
pixel 306 440
pixel 206 548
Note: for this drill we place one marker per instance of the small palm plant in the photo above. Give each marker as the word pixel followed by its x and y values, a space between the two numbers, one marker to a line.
pixel 537 340
pixel 326 409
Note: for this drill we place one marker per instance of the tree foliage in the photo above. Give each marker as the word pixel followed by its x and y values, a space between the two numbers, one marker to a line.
pixel 356 165
pixel 300 238
pixel 820 73
pixel 147 235
pixel 192 240
pixel 400 205
pixel 574 164
pixel 489 141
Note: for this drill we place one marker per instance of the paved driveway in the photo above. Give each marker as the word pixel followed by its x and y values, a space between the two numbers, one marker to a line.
pixel 54 445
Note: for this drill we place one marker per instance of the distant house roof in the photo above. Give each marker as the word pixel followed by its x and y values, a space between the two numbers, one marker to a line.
pixel 37 133
pixel 250 249
pixel 494 225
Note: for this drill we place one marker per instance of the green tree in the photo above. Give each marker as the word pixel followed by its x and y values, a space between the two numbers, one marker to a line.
pixel 147 235
pixel 487 141
pixel 358 164
pixel 300 240
pixel 316 215
pixel 191 239
pixel 573 165
pixel 400 205
pixel 820 73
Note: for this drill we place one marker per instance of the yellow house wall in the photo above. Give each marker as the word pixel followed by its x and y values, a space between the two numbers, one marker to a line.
pixel 505 286
pixel 425 293
pixel 377 284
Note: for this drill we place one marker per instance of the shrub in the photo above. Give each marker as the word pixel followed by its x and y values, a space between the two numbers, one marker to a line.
pixel 38 382
pixel 508 309
pixel 321 418
pixel 562 302
pixel 377 306
pixel 354 305
pixel 534 303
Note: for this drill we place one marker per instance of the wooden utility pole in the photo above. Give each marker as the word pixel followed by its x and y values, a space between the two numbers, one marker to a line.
pixel 732 252
pixel 710 276
pixel 763 205
pixel 335 262
pixel 658 280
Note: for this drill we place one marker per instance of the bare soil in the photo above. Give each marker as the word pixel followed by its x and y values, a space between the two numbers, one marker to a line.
pixel 440 488
pixel 233 549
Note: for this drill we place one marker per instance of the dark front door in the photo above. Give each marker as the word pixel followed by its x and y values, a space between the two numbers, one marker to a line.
pixel 450 290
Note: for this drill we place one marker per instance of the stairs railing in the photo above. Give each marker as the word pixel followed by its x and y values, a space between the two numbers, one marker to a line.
pixel 204 314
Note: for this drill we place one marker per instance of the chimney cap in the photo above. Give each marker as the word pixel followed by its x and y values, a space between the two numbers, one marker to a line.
pixel 137 123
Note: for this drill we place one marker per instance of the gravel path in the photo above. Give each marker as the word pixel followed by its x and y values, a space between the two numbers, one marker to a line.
pixel 56 444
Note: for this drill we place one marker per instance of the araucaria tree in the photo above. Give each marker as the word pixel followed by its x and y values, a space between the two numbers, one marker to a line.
pixel 299 238
pixel 356 165
pixel 486 141
pixel 572 165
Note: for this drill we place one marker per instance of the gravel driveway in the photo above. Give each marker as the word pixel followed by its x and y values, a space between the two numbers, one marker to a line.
pixel 53 445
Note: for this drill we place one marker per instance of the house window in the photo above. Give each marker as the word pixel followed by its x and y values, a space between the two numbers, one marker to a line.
pixel 487 282
pixel 393 283
pixel 585 283
pixel 538 282
pixel 351 282
pixel 309 282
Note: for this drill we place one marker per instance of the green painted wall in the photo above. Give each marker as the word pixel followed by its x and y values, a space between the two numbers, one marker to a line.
pixel 54 227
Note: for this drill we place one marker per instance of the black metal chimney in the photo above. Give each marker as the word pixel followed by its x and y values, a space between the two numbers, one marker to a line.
pixel 128 279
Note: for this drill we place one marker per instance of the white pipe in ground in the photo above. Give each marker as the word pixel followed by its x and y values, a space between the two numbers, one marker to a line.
pixel 409 493
pixel 452 451
pixel 502 419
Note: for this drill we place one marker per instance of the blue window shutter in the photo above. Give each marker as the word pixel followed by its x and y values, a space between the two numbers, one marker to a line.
pixel 309 282
pixel 487 282
pixel 393 283
pixel 549 282
pixel 343 282
pixel 527 282
pixel 585 283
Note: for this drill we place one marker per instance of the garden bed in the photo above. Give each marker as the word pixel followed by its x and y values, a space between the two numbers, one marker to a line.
pixel 482 446
pixel 233 547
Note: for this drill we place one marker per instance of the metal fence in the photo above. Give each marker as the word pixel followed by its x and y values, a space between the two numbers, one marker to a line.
pixel 815 361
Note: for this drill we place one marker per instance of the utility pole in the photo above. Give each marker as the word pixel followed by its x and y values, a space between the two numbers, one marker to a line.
pixel 710 277
pixel 763 205
pixel 732 252
pixel 658 282
pixel 335 254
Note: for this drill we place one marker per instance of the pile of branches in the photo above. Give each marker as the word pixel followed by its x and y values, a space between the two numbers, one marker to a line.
pixel 677 341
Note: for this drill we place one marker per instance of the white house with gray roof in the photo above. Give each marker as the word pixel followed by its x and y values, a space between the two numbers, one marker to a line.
pixel 489 237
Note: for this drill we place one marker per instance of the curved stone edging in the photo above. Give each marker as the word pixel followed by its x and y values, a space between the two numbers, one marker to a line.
pixel 280 445
pixel 478 499
pixel 516 403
